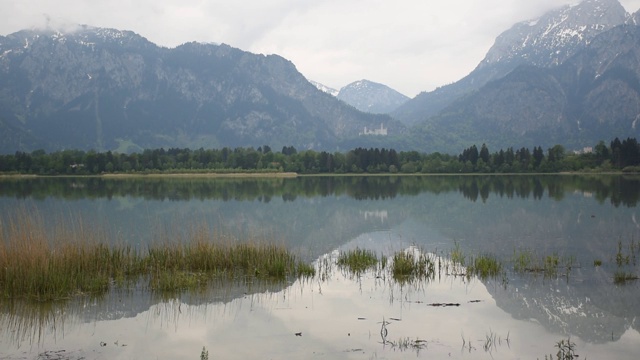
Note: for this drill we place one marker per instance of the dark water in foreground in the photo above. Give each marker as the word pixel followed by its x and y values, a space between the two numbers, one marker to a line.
pixel 340 316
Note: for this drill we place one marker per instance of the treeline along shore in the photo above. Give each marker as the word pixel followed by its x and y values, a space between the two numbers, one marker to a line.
pixel 617 156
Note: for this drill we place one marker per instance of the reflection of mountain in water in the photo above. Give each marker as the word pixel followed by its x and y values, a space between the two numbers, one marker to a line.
pixel 123 304
pixel 581 217
pixel 588 305
pixel 26 322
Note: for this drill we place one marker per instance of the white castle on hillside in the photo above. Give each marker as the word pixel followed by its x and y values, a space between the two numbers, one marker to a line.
pixel 381 131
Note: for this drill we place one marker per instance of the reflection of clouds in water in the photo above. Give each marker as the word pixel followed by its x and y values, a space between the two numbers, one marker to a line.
pixel 344 316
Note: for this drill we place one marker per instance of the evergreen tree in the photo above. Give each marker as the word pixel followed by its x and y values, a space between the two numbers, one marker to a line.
pixel 484 154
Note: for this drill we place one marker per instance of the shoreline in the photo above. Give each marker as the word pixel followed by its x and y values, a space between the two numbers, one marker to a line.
pixel 295 175
pixel 206 175
pixel 158 175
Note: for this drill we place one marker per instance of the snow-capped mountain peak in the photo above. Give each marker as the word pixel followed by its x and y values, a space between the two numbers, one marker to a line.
pixel 81 35
pixel 324 88
pixel 552 38
pixel 371 97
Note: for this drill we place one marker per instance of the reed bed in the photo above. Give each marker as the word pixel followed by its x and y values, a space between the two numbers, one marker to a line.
pixel 485 266
pixel 189 265
pixel 358 261
pixel 412 265
pixel 38 265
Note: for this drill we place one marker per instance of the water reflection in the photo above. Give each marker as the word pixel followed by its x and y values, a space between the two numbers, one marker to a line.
pixel 620 190
pixel 337 316
pixel 580 217
pixel 35 325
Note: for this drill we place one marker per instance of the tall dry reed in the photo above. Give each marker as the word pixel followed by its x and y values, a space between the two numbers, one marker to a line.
pixel 74 259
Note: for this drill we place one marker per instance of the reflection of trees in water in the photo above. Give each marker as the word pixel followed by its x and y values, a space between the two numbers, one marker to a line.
pixel 621 190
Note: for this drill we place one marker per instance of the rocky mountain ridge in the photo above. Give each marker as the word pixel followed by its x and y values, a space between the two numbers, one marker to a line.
pixel 103 89
pixel 545 42
pixel 570 77
pixel 371 97
pixel 325 88
pixel 592 96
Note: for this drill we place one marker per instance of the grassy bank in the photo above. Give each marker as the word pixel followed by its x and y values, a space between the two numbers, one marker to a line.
pixel 46 265
pixel 229 174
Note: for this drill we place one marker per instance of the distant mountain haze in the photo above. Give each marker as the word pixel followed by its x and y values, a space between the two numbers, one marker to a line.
pixel 367 96
pixel 108 89
pixel 371 97
pixel 571 77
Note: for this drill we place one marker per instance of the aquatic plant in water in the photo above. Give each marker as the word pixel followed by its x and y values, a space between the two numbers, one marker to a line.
pixel 411 265
pixel 204 355
pixel 621 277
pixel 566 350
pixel 484 266
pixel 527 261
pixel 357 260
pixel 45 266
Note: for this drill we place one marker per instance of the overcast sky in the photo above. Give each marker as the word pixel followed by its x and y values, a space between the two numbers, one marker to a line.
pixel 409 45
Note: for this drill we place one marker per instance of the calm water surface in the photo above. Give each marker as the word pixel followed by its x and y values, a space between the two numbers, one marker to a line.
pixel 341 316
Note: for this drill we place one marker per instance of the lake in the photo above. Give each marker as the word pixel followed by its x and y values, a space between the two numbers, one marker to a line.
pixel 580 221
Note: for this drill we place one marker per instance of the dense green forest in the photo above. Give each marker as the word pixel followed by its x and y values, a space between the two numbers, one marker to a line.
pixel 617 156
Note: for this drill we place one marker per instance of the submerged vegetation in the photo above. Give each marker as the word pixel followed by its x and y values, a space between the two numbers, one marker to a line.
pixel 357 260
pixel 40 266
pixel 528 261
pixel 485 266
pixel 625 258
pixel 78 260
pixel 412 265
pixel 566 351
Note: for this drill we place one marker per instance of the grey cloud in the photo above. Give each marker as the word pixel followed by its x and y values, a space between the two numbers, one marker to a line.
pixel 411 45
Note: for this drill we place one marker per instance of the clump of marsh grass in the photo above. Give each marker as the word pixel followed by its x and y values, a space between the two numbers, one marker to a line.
pixel 623 259
pixel 412 265
pixel 484 266
pixel 566 351
pixel 405 344
pixel 357 261
pixel 191 265
pixel 42 266
pixel 597 262
pixel 622 277
pixel 457 256
pixel 627 257
pixel 527 261
pixel 204 354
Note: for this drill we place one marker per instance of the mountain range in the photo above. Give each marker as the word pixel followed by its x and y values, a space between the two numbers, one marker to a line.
pixel 371 97
pixel 367 96
pixel 570 77
pixel 97 88
pixel 543 42
pixel 570 80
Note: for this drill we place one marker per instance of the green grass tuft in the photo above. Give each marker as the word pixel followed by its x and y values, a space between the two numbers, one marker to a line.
pixel 485 266
pixel 621 277
pixel 357 261
pixel 408 266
